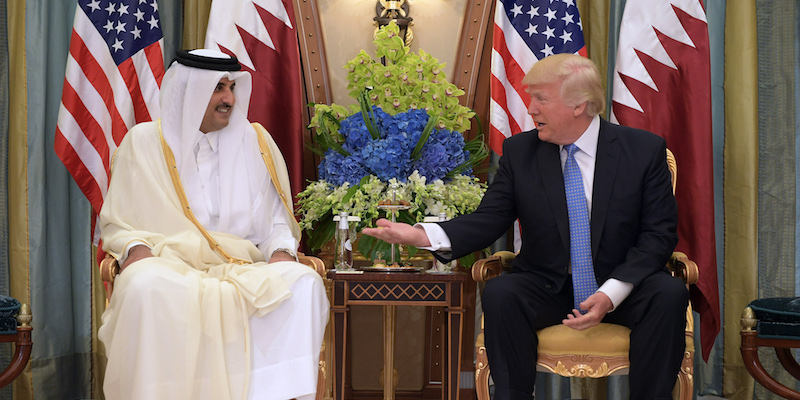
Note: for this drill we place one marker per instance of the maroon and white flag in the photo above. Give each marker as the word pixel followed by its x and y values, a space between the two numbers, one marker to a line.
pixel 262 34
pixel 662 83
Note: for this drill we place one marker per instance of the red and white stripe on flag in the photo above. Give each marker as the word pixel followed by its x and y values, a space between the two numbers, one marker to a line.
pixel 112 79
pixel 662 83
pixel 525 31
pixel 263 36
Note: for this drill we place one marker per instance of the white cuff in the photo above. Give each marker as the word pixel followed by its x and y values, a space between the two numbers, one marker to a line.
pixel 288 251
pixel 436 235
pixel 281 245
pixel 616 290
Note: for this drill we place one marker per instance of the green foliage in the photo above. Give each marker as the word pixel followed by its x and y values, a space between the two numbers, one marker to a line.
pixel 477 153
pixel 426 133
pixel 368 115
pixel 321 201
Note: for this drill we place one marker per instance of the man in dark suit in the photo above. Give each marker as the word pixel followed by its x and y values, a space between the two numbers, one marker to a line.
pixel 624 190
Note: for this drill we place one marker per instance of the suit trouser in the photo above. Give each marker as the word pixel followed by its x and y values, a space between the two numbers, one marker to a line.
pixel 518 304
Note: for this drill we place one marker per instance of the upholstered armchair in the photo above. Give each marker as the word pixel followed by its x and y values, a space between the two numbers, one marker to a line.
pixel 597 352
pixel 15 319
pixel 109 269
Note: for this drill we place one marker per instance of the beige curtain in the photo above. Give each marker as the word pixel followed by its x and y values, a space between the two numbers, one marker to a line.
pixel 17 176
pixel 594 15
pixel 195 21
pixel 741 188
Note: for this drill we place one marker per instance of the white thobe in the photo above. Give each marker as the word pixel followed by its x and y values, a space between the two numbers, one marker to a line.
pixel 185 325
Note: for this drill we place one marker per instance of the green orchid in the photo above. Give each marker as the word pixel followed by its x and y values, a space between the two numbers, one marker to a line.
pixel 406 81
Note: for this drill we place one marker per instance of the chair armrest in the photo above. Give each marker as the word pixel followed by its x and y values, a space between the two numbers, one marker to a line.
pixel 23 344
pixel 487 268
pixel 313 262
pixel 681 266
pixel 109 268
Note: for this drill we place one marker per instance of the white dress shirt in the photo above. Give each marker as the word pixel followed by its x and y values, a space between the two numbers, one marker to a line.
pixel 208 171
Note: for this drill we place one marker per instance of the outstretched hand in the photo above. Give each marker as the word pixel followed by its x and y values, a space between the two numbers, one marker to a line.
pixel 598 305
pixel 398 232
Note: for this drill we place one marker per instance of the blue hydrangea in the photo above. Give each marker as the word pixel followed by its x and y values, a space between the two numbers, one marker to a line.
pixel 338 169
pixel 355 133
pixel 443 151
pixel 389 156
pixel 434 162
pixel 410 122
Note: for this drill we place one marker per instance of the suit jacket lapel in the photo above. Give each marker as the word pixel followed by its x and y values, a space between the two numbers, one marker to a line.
pixel 606 167
pixel 553 181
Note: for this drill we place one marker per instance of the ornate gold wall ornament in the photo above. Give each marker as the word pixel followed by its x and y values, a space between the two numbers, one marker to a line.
pixel 397 11
pixel 393 8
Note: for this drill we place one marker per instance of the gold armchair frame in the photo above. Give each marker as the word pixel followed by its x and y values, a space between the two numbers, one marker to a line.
pixel 581 357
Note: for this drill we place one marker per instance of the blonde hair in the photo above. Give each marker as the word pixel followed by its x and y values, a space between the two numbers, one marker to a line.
pixel 580 80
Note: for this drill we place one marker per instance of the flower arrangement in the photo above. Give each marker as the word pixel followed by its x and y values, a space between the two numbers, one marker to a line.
pixel 406 132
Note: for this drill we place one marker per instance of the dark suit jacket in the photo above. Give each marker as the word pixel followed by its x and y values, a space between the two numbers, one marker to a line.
pixel 634 213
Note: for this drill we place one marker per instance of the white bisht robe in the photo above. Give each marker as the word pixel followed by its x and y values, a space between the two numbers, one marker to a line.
pixel 186 324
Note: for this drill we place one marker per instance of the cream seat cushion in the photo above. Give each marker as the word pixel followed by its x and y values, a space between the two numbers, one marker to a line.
pixel 604 340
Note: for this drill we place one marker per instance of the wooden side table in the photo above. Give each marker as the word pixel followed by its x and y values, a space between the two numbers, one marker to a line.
pixel 390 289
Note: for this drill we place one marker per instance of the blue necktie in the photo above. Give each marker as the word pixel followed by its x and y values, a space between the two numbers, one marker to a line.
pixel 584 282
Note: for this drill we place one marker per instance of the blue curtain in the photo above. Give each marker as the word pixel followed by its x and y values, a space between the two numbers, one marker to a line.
pixel 778 146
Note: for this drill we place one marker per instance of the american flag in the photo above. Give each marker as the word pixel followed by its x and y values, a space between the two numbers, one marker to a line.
pixel 525 31
pixel 113 74
pixel 263 36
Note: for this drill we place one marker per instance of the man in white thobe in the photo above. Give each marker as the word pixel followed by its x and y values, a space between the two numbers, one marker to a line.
pixel 210 302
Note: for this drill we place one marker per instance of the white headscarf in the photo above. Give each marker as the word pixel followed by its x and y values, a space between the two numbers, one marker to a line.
pixel 244 180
